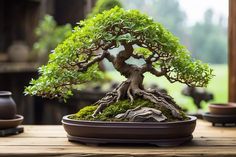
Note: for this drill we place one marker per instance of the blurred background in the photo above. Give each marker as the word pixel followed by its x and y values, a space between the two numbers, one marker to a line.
pixel 30 29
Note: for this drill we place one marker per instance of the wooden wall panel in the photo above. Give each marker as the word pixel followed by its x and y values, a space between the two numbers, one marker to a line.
pixel 232 50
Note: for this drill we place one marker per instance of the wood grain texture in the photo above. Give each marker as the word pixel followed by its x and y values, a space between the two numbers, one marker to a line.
pixel 51 140
pixel 232 50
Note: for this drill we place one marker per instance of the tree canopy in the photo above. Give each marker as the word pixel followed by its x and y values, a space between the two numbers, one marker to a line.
pixel 75 61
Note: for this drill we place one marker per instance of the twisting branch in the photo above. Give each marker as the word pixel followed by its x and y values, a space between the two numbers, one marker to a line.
pixel 110 57
pixel 83 67
pixel 108 46
pixel 127 53
pixel 156 73
pixel 87 59
pixel 152 70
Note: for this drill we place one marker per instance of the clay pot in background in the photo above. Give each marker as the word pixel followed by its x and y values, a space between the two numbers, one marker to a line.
pixel 7 105
pixel 223 108
pixel 18 52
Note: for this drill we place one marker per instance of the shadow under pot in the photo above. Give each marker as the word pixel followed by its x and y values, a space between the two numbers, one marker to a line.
pixel 7 105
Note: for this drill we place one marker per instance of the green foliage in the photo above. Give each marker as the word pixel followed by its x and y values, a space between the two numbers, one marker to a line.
pixel 142 52
pixel 111 29
pixel 122 106
pixel 49 34
pixel 58 82
pixel 102 5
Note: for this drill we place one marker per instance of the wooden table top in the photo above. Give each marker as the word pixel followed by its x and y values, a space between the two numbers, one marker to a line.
pixel 48 140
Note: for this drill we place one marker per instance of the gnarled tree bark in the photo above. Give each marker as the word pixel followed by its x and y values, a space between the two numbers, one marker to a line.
pixel 133 86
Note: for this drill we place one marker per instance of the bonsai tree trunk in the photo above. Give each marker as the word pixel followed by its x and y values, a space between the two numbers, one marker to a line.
pixel 133 86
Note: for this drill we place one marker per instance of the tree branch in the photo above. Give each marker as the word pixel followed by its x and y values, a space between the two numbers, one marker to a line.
pixel 110 57
pixel 125 54
pixel 84 67
pixel 157 73
pixel 152 70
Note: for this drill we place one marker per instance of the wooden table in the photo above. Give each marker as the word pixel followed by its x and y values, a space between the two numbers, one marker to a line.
pixel 48 140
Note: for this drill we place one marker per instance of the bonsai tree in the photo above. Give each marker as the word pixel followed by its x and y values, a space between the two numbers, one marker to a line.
pixel 74 61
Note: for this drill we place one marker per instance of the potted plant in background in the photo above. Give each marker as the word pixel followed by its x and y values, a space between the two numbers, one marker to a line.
pixel 49 35
pixel 9 119
pixel 102 5
pixel 223 114
pixel 129 113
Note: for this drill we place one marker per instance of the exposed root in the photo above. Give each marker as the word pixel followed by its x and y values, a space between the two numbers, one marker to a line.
pixel 108 99
pixel 126 90
pixel 121 89
pixel 167 97
pixel 118 93
pixel 161 101
pixel 130 95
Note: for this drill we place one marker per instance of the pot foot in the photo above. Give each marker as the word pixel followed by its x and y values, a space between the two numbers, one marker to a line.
pixel 157 142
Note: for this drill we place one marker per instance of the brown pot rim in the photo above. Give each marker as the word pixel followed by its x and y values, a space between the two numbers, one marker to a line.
pixel 66 119
pixel 223 105
pixel 17 118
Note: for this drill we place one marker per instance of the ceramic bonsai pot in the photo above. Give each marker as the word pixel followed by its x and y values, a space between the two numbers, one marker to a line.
pixel 7 105
pixel 11 123
pixel 221 113
pixel 100 132
pixel 220 119
pixel 223 109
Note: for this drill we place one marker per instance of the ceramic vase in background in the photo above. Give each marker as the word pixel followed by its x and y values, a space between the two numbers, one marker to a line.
pixel 18 52
pixel 7 105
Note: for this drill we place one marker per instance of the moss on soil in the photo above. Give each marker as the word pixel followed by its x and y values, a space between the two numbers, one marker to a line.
pixel 122 106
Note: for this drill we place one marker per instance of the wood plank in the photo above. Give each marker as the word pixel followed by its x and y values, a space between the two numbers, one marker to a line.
pixel 51 141
pixel 42 131
pixel 118 151
pixel 42 141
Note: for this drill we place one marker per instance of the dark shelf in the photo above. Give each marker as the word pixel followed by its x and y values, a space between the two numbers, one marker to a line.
pixel 10 67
